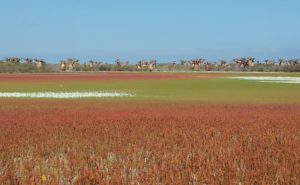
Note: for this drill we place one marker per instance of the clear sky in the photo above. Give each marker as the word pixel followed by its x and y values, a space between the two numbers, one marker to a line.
pixel 160 29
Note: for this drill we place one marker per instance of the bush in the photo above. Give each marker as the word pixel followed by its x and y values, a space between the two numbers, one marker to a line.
pixel 295 68
pixel 8 67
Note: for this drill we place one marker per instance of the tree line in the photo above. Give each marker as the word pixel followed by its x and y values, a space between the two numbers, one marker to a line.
pixel 15 64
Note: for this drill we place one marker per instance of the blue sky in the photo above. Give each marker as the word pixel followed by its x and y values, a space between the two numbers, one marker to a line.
pixel 160 29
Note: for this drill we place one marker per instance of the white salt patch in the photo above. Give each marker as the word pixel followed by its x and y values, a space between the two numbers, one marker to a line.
pixel 270 79
pixel 62 95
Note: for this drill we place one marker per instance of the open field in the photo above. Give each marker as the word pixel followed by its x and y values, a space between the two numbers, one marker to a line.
pixel 195 128
pixel 192 87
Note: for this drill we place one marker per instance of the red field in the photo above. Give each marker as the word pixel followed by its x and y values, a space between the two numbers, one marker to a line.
pixel 110 142
pixel 99 76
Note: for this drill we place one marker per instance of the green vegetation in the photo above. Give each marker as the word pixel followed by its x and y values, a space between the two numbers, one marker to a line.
pixel 199 90
pixel 7 67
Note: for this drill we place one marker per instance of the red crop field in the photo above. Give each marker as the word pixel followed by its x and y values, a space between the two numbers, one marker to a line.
pixel 104 76
pixel 112 142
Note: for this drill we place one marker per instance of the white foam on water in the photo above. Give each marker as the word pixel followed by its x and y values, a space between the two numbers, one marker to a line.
pixel 270 79
pixel 62 95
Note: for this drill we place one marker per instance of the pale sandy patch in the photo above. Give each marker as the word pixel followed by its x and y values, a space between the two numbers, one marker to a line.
pixel 270 79
pixel 62 95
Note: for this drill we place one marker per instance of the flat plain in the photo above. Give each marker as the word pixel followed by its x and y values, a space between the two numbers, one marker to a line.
pixel 177 128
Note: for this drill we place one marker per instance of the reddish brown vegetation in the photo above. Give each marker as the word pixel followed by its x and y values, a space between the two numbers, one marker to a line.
pixel 76 142
pixel 99 76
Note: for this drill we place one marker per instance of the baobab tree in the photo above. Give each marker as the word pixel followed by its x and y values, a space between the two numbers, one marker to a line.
pixel 152 65
pixel 146 65
pixel 92 63
pixel 207 66
pixel 142 65
pixel 282 62
pixel 242 63
pixel 63 65
pixel 139 65
pixel 28 60
pixel 14 60
pixel 196 64
pixel 224 65
pixel 118 62
pixel 71 64
pixel 269 62
pixel 39 63
pixel 293 62
pixel 186 62
pixel 250 62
